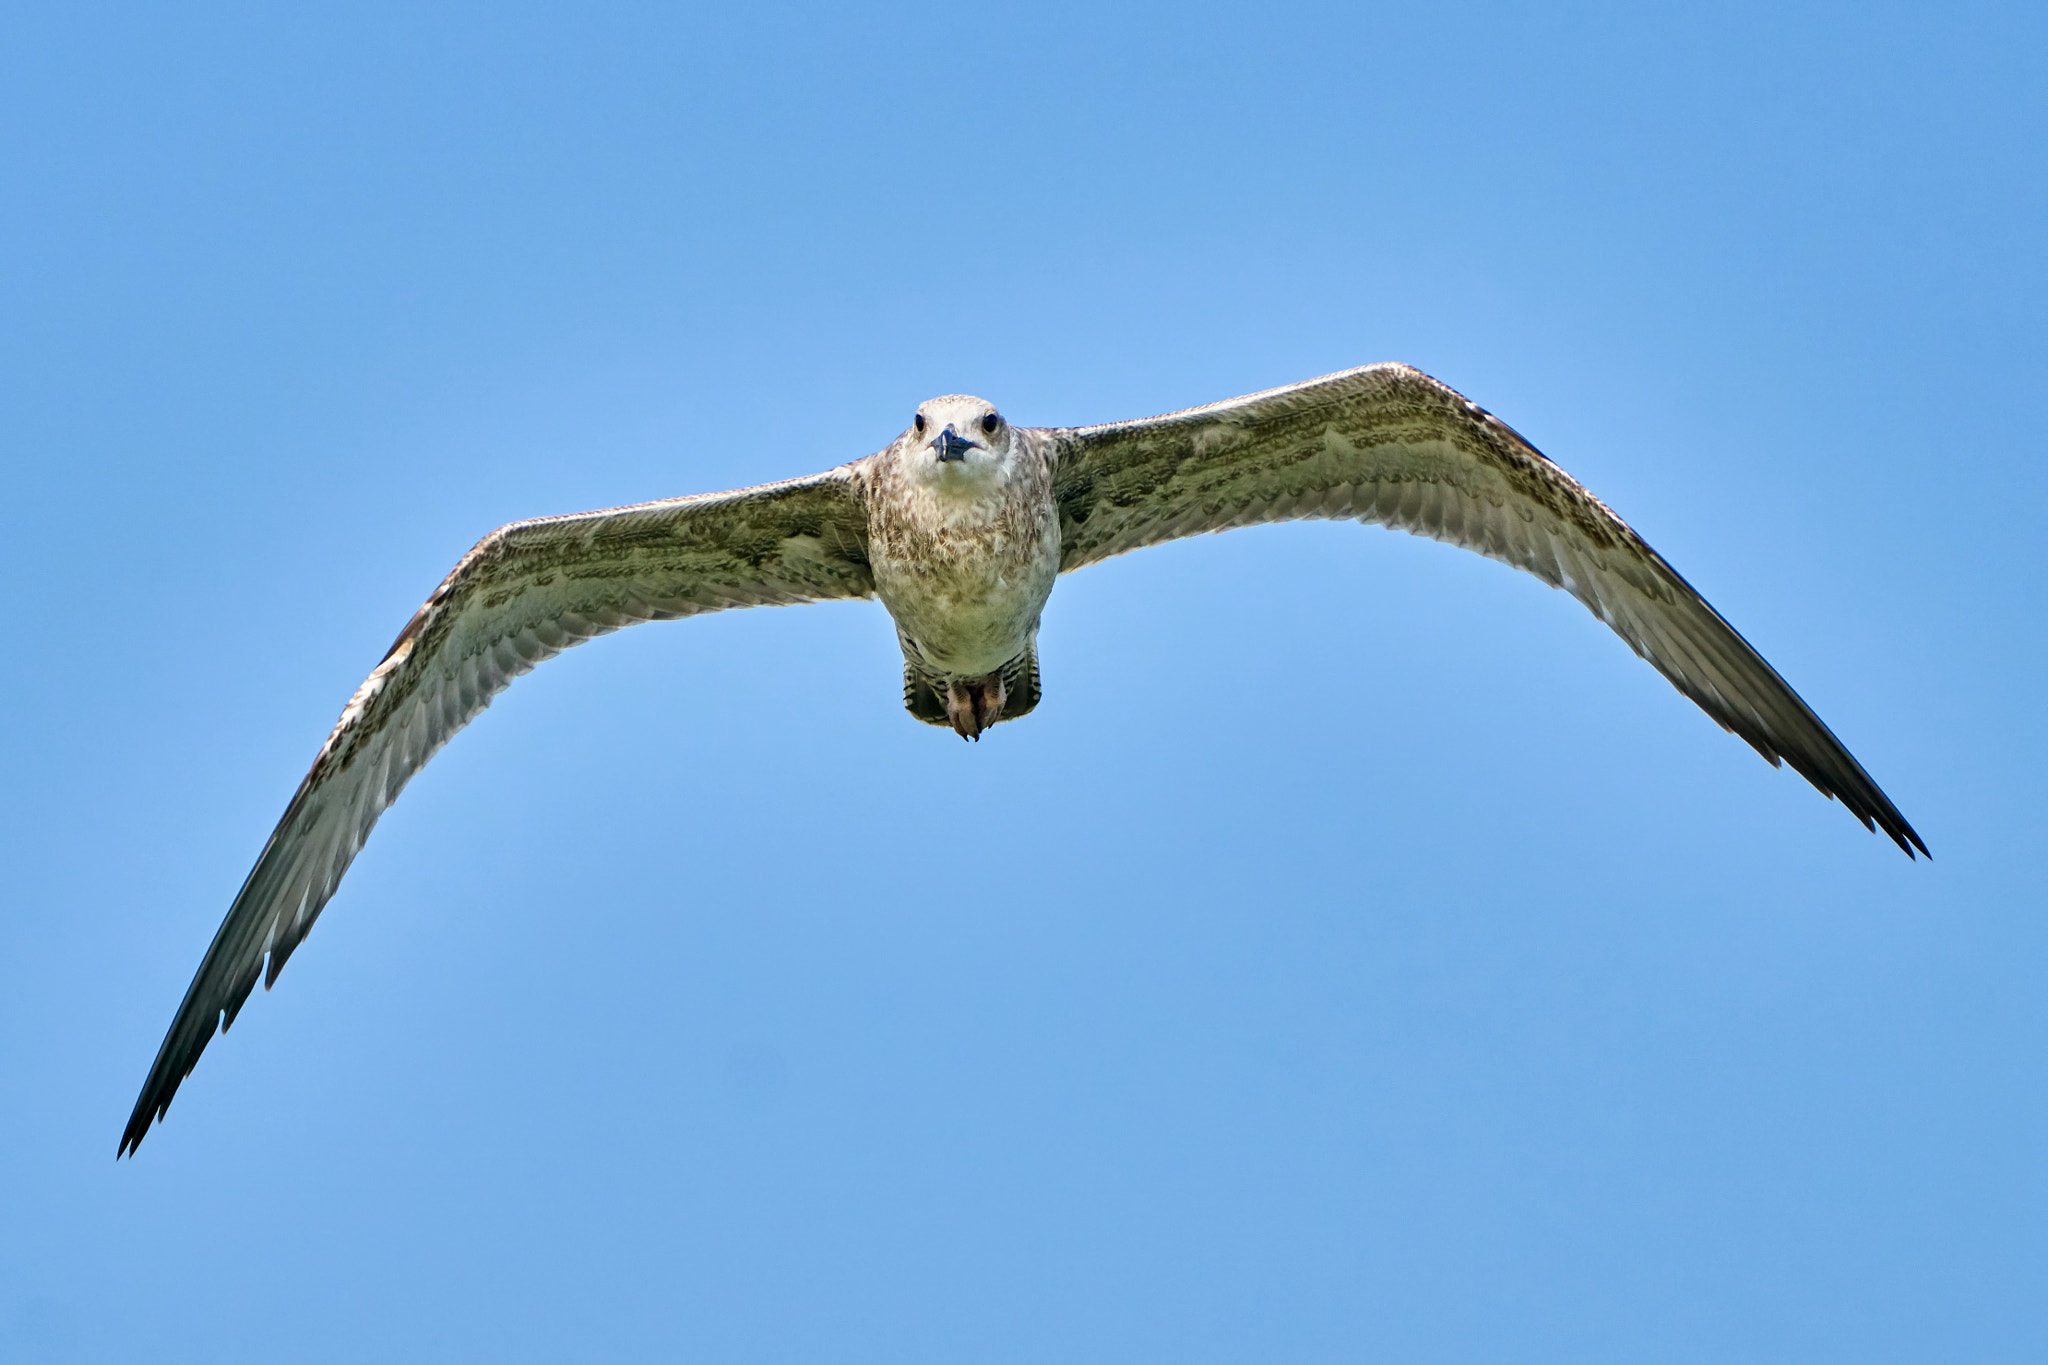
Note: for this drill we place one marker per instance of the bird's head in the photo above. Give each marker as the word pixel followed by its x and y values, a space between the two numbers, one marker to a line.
pixel 956 439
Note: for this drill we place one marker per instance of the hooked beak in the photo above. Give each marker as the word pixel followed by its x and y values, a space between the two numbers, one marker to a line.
pixel 951 445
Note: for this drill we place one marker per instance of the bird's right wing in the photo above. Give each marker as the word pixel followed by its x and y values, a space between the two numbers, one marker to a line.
pixel 527 592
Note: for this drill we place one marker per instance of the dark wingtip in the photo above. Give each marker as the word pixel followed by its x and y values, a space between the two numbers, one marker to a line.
pixel 1908 840
pixel 1854 789
pixel 137 1130
pixel 149 1110
pixel 174 1062
pixel 1886 820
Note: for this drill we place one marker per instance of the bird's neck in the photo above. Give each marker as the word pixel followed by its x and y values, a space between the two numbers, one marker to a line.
pixel 933 498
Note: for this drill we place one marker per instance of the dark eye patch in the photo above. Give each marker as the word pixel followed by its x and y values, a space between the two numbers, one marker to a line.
pixel 990 423
pixel 920 421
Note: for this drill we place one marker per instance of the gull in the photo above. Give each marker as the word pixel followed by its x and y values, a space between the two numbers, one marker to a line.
pixel 960 526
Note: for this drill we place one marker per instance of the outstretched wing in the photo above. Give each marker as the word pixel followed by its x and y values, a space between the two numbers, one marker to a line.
pixel 1388 444
pixel 527 592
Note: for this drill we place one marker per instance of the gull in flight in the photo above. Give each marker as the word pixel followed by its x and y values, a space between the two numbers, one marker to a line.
pixel 960 525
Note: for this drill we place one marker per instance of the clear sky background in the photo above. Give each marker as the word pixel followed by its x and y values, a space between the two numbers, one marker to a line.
pixel 1359 956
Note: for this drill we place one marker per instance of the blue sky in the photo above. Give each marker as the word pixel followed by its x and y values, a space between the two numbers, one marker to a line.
pixel 1360 954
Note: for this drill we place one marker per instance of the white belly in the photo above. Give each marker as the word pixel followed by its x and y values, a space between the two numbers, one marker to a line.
pixel 966 585
pixel 970 612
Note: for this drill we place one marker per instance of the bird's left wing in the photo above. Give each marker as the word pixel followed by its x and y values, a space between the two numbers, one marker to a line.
pixel 526 592
pixel 1388 444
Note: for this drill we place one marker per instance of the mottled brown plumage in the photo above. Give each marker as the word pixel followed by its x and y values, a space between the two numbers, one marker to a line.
pixel 960 526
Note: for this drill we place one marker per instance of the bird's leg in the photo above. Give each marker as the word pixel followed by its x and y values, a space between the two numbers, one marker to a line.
pixel 989 700
pixel 960 710
pixel 974 704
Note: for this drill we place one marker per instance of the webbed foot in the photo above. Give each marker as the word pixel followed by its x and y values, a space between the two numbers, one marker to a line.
pixel 975 704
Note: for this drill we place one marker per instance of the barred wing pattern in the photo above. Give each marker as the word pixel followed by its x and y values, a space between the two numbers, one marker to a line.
pixel 527 592
pixel 1389 445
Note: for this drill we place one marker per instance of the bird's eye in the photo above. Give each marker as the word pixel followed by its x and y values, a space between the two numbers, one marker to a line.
pixel 990 423
pixel 920 421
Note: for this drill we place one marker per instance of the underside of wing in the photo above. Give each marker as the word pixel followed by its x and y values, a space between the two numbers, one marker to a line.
pixel 526 592
pixel 1389 445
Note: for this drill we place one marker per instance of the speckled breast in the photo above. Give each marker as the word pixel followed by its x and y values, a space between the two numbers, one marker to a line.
pixel 965 583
